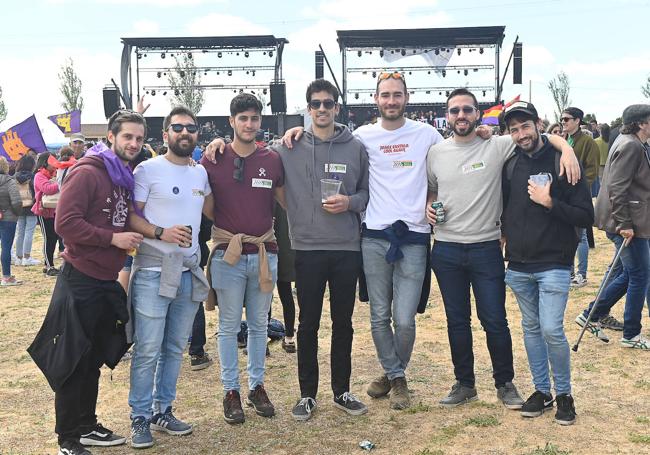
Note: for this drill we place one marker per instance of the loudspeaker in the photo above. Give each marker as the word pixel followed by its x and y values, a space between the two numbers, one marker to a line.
pixel 111 101
pixel 278 97
pixel 516 68
pixel 319 56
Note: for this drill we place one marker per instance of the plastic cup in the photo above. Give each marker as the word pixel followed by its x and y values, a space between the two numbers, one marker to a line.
pixel 540 179
pixel 329 188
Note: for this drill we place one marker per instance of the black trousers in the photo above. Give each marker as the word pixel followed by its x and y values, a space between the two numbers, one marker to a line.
pixel 315 269
pixel 50 238
pixel 76 401
pixel 288 306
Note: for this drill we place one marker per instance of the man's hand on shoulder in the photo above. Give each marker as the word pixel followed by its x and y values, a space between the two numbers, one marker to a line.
pixel 211 150
pixel 294 133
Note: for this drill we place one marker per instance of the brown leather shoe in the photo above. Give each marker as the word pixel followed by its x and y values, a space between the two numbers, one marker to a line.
pixel 259 400
pixel 379 387
pixel 232 411
pixel 399 394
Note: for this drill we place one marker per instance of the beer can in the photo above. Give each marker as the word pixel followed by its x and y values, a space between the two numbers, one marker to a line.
pixel 440 211
pixel 187 245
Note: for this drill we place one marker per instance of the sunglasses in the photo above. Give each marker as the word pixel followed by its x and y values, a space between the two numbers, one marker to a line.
pixel 327 104
pixel 238 173
pixel 394 75
pixel 178 127
pixel 465 109
pixel 566 119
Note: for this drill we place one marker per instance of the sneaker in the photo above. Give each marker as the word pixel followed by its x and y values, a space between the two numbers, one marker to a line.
pixel 594 328
pixel 28 262
pixel 566 412
pixel 98 435
pixel 637 342
pixel 232 411
pixel 72 447
pixel 509 396
pixel 399 395
pixel 259 400
pixel 537 404
pixel 459 395
pixel 200 362
pixel 303 409
pixel 578 281
pixel 380 387
pixel 141 433
pixel 15 260
pixel 51 271
pixel 610 322
pixel 350 404
pixel 168 423
pixel 288 345
pixel 10 281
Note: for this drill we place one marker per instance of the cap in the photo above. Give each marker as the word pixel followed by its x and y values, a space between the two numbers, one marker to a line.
pixel 77 137
pixel 520 106
pixel 575 113
pixel 636 113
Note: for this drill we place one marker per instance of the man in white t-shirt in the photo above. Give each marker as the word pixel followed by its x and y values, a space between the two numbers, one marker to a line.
pixel 464 174
pixel 167 284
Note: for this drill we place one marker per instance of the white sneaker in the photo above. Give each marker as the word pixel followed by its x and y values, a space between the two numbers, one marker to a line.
pixel 578 281
pixel 30 261
pixel 638 342
pixel 15 260
pixel 593 327
pixel 10 281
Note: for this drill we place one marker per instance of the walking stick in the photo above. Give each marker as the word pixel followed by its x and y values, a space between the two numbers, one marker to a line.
pixel 603 284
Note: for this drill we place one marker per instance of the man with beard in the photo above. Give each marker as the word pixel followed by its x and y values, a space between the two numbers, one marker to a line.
pixel 167 282
pixel 539 224
pixel 465 175
pixel 92 215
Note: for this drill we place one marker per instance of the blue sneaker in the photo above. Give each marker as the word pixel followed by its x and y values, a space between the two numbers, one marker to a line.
pixel 140 433
pixel 169 424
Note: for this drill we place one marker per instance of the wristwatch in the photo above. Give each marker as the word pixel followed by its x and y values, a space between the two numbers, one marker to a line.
pixel 158 232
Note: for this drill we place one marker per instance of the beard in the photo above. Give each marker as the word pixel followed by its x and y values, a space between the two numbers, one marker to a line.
pixel 180 150
pixel 464 133
pixel 397 116
pixel 121 154
pixel 534 142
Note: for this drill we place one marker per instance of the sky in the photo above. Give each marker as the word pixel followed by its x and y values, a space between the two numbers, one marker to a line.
pixel 601 45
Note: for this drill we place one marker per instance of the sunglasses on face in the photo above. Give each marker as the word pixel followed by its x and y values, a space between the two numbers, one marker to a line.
pixel 178 127
pixel 566 119
pixel 327 104
pixel 465 109
pixel 238 173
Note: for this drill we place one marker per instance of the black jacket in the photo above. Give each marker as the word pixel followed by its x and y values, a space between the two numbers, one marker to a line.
pixel 534 234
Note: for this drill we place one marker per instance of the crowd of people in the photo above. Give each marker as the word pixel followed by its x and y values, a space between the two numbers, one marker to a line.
pixel 524 198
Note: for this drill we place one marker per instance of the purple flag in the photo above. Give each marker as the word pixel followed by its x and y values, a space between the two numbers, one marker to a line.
pixel 26 135
pixel 68 123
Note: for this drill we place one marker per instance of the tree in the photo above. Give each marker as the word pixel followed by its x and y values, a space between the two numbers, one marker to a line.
pixel 589 117
pixel 70 87
pixel 3 109
pixel 185 81
pixel 645 89
pixel 560 89
pixel 616 123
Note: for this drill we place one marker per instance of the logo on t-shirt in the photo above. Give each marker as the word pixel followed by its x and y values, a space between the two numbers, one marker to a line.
pixel 336 168
pixel 262 172
pixel 399 164
pixel 469 168
pixel 197 192
pixel 262 183
pixel 175 190
pixel 393 148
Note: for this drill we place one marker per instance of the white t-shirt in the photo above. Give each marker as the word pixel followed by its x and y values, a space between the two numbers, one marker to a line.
pixel 173 194
pixel 398 173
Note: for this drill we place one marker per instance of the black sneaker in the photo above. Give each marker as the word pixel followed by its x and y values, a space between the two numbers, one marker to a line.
pixel 200 362
pixel 303 409
pixel 52 271
pixel 259 400
pixel 72 447
pixel 232 411
pixel 98 435
pixel 566 411
pixel 610 322
pixel 350 404
pixel 537 404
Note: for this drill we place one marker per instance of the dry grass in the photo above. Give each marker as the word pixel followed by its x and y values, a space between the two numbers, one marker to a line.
pixel 611 388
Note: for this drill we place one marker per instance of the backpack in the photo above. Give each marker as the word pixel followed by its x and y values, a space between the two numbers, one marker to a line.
pixel 25 194
pixel 512 161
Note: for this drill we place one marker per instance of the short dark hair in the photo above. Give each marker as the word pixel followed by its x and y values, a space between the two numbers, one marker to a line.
pixel 65 153
pixel 604 132
pixel 178 110
pixel 521 117
pixel 322 85
pixel 26 163
pixel 244 102
pixel 41 161
pixel 630 128
pixel 462 92
pixel 123 116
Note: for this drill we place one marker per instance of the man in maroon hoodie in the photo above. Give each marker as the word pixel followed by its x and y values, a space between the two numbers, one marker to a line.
pixel 91 216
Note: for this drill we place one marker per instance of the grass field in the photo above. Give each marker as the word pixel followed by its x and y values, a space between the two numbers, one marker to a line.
pixel 611 389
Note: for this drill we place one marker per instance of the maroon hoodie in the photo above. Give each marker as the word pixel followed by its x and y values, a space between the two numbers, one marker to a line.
pixel 89 211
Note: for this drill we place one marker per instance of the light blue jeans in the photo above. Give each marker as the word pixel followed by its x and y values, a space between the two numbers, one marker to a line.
pixel 542 299
pixel 583 253
pixel 238 286
pixel 25 235
pixel 162 327
pixel 394 292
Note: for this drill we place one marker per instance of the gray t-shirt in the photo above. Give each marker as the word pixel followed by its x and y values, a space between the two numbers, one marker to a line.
pixel 467 180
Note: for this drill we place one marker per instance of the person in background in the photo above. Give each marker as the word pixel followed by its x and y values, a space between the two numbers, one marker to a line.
pixel 10 206
pixel 26 220
pixel 554 128
pixel 286 275
pixel 45 184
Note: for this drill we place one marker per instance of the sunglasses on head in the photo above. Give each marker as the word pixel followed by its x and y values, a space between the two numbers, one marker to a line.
pixel 328 104
pixel 566 119
pixel 238 173
pixel 394 75
pixel 465 109
pixel 178 127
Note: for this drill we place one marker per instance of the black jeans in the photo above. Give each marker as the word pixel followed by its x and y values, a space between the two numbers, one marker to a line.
pixel 315 269
pixel 288 306
pixel 75 402
pixel 50 238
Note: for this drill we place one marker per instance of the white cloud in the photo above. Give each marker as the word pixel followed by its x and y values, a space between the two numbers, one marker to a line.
pixel 161 3
pixel 225 25
pixel 144 28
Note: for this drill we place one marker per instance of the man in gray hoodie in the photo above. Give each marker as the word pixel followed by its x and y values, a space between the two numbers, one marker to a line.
pixel 325 234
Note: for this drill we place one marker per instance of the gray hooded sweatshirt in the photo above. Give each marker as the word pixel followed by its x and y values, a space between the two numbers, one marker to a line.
pixel 341 157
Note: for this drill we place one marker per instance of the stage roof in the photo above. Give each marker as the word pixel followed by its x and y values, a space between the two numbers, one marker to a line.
pixel 205 42
pixel 420 37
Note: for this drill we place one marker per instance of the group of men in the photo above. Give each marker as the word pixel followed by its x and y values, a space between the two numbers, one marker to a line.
pixel 379 222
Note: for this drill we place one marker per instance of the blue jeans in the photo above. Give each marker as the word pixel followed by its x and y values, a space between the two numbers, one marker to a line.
pixel 198 333
pixel 583 253
pixel 25 235
pixel 394 292
pixel 458 267
pixel 634 281
pixel 542 299
pixel 7 233
pixel 162 326
pixel 238 286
